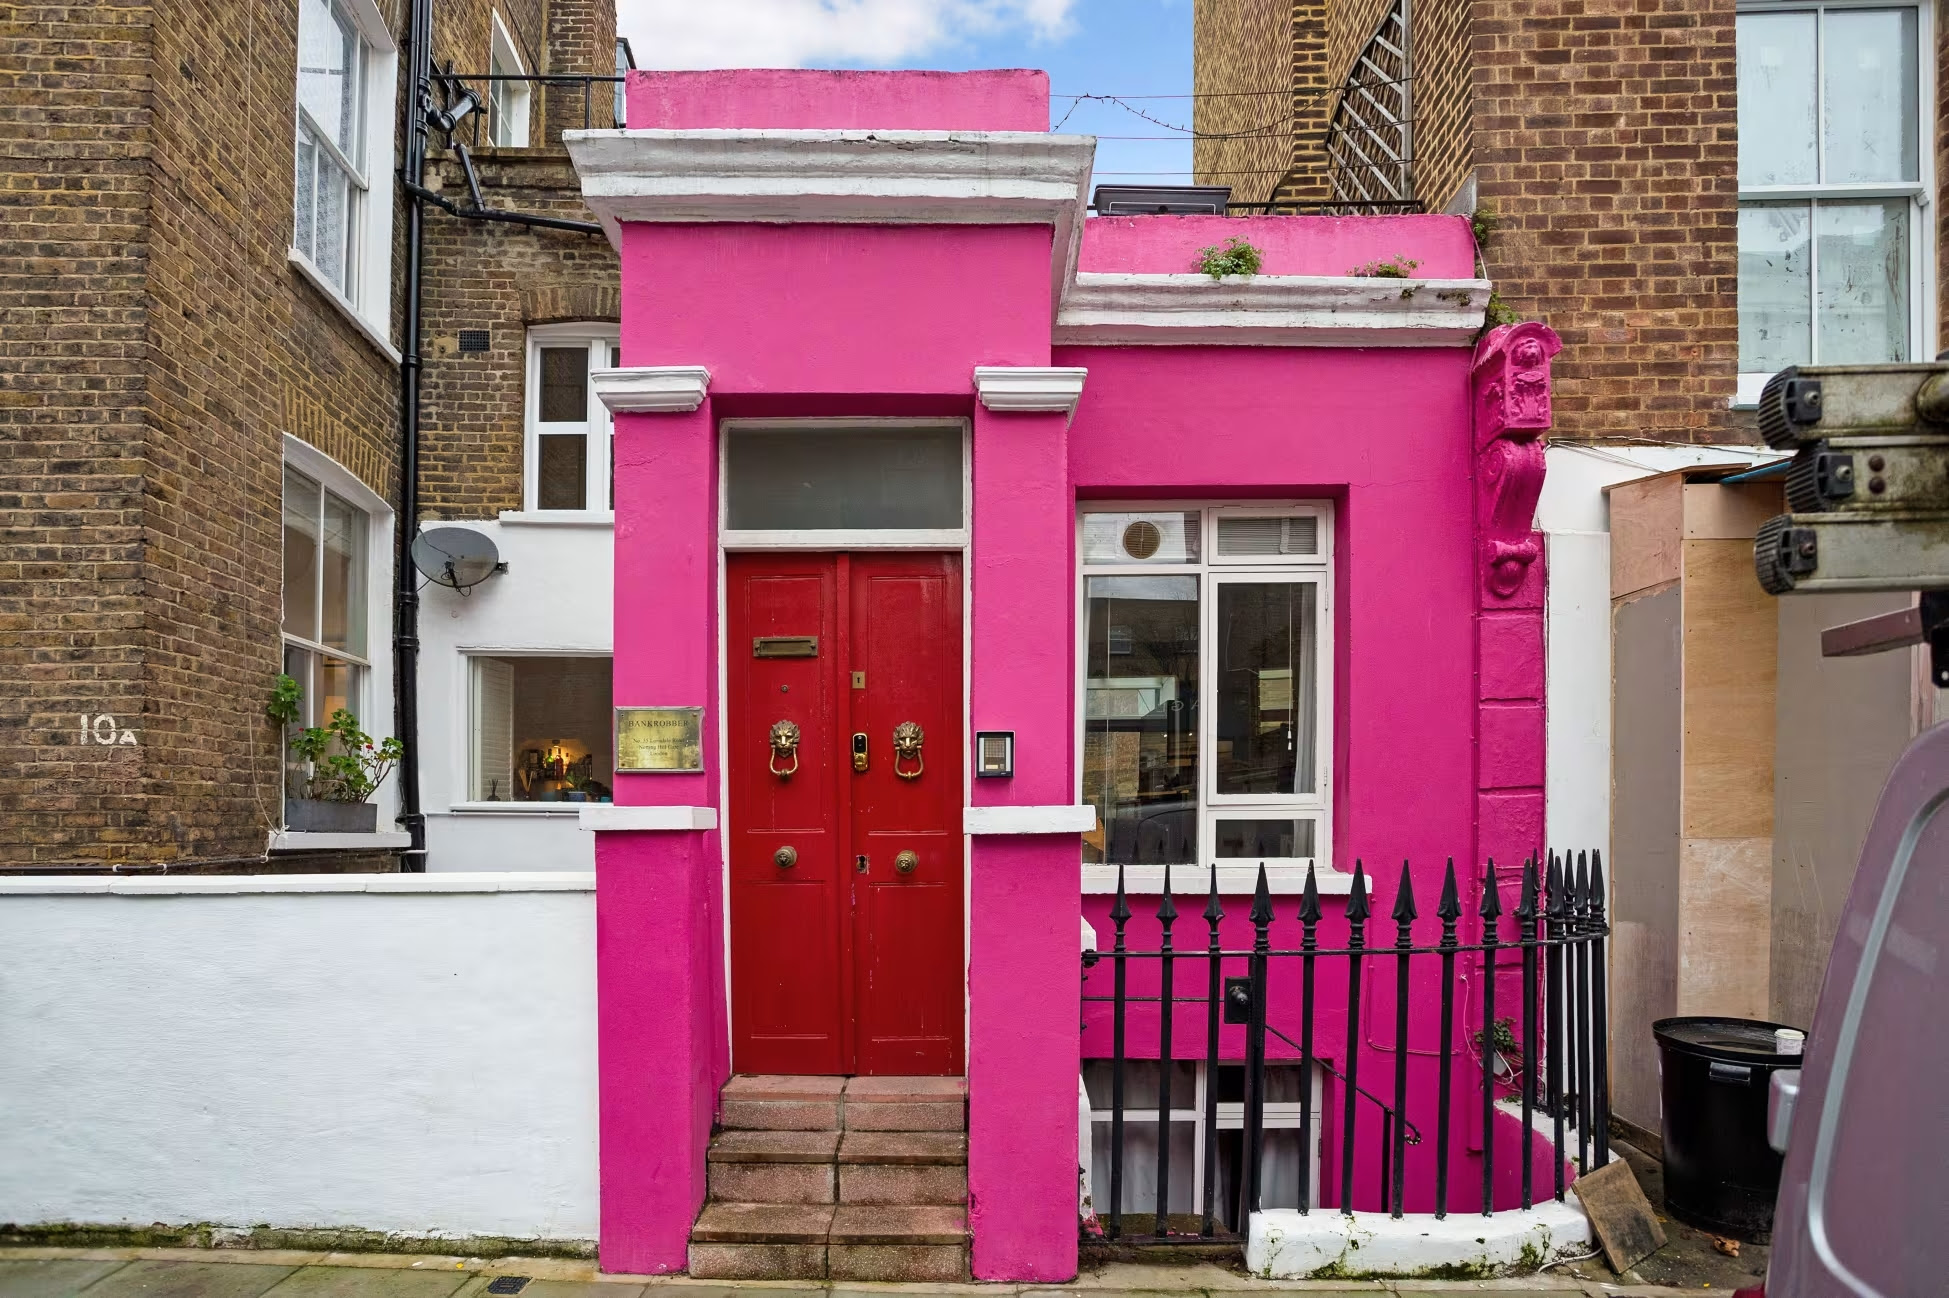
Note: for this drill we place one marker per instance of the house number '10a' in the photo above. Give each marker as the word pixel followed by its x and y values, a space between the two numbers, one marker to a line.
pixel 103 729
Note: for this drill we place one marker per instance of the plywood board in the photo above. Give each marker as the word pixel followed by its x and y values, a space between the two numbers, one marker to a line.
pixel 1715 512
pixel 1725 907
pixel 1627 1228
pixel 1647 527
pixel 1730 632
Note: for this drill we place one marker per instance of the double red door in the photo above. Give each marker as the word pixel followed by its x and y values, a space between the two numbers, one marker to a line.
pixel 844 675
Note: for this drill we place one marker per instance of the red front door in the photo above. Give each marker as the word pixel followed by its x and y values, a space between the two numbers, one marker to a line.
pixel 846 850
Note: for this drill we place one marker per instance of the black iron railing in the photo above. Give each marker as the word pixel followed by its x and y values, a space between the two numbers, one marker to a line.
pixel 1551 947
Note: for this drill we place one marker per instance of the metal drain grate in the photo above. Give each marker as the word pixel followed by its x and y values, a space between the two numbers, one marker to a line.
pixel 507 1284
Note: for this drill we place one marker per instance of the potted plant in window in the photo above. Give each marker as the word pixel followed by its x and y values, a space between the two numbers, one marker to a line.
pixel 347 765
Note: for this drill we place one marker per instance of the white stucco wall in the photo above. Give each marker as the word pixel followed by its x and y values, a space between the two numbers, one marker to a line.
pixel 255 1051
pixel 1574 515
pixel 555 597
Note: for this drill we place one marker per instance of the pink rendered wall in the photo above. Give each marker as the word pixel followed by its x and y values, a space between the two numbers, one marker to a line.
pixel 1024 979
pixel 1291 245
pixel 836 309
pixel 1004 99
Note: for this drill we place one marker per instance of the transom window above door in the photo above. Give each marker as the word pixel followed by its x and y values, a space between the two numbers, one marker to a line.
pixel 1834 154
pixel 1206 693
pixel 862 483
pixel 568 447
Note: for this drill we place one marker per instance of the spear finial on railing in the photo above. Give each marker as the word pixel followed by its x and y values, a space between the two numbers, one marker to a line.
pixel 1405 912
pixel 1526 900
pixel 1357 911
pixel 1120 908
pixel 1580 890
pixel 1213 911
pixel 1491 909
pixel 1596 896
pixel 1309 902
pixel 1449 908
pixel 1261 900
pixel 1553 899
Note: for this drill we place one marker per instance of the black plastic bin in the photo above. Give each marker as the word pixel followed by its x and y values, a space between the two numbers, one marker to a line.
pixel 1720 1174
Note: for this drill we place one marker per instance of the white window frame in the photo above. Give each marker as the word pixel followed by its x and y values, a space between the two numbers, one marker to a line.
pixel 375 688
pixel 1282 1115
pixel 508 101
pixel 463 745
pixel 1919 192
pixel 1283 874
pixel 599 426
pixel 366 296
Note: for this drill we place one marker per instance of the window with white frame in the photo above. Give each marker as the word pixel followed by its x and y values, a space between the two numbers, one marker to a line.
pixel 1282 1156
pixel 1834 152
pixel 1205 696
pixel 507 101
pixel 540 729
pixel 341 228
pixel 568 443
pixel 327 542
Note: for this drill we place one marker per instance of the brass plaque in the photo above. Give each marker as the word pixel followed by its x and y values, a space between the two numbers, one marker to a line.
pixel 659 740
pixel 785 646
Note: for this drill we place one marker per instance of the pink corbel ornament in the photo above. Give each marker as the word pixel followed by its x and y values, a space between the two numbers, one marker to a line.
pixel 1510 385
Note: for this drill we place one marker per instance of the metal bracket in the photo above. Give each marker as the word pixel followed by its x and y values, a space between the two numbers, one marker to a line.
pixel 1238 1000
pixel 1926 622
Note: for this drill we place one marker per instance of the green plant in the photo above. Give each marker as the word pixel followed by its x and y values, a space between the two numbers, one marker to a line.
pixel 1503 1038
pixel 282 707
pixel 1498 312
pixel 346 765
pixel 1396 267
pixel 1484 224
pixel 1236 257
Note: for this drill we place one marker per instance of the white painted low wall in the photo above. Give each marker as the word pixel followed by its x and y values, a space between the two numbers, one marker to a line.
pixel 1286 1244
pixel 410 1054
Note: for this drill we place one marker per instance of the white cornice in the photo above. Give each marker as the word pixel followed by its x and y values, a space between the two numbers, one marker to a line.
pixel 652 389
pixel 1030 820
pixel 1024 387
pixel 839 177
pixel 605 816
pixel 1270 311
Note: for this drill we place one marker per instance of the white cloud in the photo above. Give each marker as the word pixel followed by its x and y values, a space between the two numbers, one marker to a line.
pixel 797 33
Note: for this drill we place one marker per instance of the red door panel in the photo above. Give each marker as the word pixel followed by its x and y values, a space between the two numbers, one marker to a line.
pixel 788 966
pixel 906 638
pixel 841 962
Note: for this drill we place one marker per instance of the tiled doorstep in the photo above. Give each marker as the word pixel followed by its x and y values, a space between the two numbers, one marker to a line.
pixel 1122 1278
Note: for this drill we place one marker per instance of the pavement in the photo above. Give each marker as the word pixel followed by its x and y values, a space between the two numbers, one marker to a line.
pixel 251 1273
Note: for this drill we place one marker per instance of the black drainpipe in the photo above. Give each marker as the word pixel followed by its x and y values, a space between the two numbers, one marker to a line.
pixel 420 107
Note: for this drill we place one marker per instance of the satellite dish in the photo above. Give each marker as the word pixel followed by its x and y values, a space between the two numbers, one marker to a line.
pixel 458 558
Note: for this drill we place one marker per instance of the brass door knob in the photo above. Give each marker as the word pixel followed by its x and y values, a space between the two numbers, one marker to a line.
pixel 906 862
pixel 785 857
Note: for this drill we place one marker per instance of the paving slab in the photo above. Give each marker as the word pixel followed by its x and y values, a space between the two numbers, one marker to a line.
pixel 375 1282
pixel 581 1289
pixel 758 1086
pixel 762 1223
pixel 879 1090
pixel 774 1147
pixel 168 1278
pixel 53 1277
pixel 861 1224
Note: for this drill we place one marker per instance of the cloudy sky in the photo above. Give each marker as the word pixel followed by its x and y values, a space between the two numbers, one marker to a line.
pixel 1137 49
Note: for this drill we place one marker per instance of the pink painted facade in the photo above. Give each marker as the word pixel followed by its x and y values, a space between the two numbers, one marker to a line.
pixel 1427 448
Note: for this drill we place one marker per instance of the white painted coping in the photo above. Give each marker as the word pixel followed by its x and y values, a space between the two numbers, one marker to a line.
pixel 207 885
pixel 1063 819
pixel 1285 1244
pixel 605 815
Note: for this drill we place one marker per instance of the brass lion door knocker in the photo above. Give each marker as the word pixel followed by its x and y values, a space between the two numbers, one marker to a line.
pixel 907 739
pixel 784 743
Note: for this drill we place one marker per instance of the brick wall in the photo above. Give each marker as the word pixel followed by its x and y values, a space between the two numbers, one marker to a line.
pixel 502 278
pixel 1258 68
pixel 156 348
pixel 1605 138
pixel 1443 116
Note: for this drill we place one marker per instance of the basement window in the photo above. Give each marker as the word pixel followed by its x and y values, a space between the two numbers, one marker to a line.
pixel 540 729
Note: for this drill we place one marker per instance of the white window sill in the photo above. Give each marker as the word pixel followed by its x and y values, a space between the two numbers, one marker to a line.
pixel 568 810
pixel 558 517
pixel 366 328
pixel 1233 880
pixel 286 840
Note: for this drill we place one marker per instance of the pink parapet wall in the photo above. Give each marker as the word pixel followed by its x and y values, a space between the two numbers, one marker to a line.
pixel 777 99
pixel 1441 247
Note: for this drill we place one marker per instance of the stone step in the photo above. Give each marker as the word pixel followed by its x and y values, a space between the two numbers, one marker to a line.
pixel 907 1244
pixel 773 1103
pixel 774 1166
pixel 764 1241
pixel 903 1168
